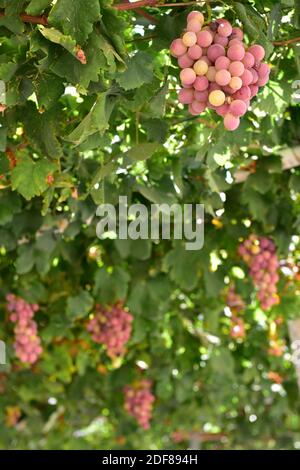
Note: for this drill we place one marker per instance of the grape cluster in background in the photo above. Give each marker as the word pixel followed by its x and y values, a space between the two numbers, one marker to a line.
pixel 259 253
pixel 139 401
pixel 27 342
pixel 111 326
pixel 219 71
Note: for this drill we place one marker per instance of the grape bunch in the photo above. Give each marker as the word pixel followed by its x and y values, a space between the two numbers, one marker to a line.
pixel 139 402
pixel 234 300
pixel 27 342
pixel 260 255
pixel 111 326
pixel 218 71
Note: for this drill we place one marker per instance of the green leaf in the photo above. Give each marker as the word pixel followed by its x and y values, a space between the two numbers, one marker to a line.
pixel 95 121
pixel 111 286
pixel 80 305
pixel 36 7
pixel 139 71
pixel 29 178
pixel 53 35
pixel 75 17
pixel 140 152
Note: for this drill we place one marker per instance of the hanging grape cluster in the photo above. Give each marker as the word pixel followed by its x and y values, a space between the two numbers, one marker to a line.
pixel 139 401
pixel 27 342
pixel 218 71
pixel 111 326
pixel 260 255
pixel 236 304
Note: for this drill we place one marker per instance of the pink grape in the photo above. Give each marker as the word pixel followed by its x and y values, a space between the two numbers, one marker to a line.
pixel 139 401
pixel 263 81
pixel 206 60
pixel 194 26
pixel 263 70
pixel 198 106
pixel 231 122
pixel 228 90
pixel 222 63
pixel 237 33
pixel 215 51
pixel 222 110
pixel 254 90
pixel 238 108
pixel 195 15
pixel 111 326
pixel 187 76
pixel 184 61
pixel 201 83
pixel 225 28
pixel 189 39
pixel 243 94
pixel 236 68
pixel 236 83
pixel 186 96
pixel 235 42
pixel 254 76
pixel 236 52
pixel 204 39
pixel 211 74
pixel 177 48
pixel 201 95
pixel 192 111
pixel 201 67
pixel 248 60
pixel 194 52
pixel 247 77
pixel 221 40
pixel 222 77
pixel 257 51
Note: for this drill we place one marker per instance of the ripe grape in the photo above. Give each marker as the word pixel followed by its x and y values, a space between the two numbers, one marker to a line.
pixel 201 95
pixel 248 60
pixel 177 48
pixel 184 61
pixel 222 77
pixel 247 77
pixel 211 74
pixel 111 326
pixel 189 39
pixel 198 106
pixel 195 15
pixel 236 52
pixel 236 83
pixel 236 68
pixel 243 94
pixel 225 28
pixel 217 98
pixel 204 38
pixel 257 51
pixel 222 110
pixel 201 67
pixel 263 70
pixel 223 41
pixel 231 122
pixel 194 52
pixel 201 83
pixel 215 51
pixel 186 95
pixel 238 108
pixel 139 401
pixel 187 76
pixel 237 33
pixel 222 63
pixel 194 26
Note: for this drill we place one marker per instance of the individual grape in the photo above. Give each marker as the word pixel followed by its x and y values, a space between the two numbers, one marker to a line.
pixel 192 111
pixel 214 86
pixel 254 76
pixel 236 68
pixel 189 39
pixel 223 41
pixel 217 98
pixel 263 70
pixel 187 76
pixel 231 122
pixel 139 401
pixel 248 60
pixel 111 326
pixel 235 42
pixel 237 33
pixel 254 90
pixel 194 52
pixel 201 83
pixel 243 94
pixel 222 77
pixel 236 52
pixel 238 108
pixel 222 110
pixel 184 61
pixel 236 83
pixel 177 48
pixel 215 51
pixel 228 90
pixel 204 38
pixel 198 106
pixel 247 77
pixel 194 26
pixel 222 63
pixel 195 15
pixel 27 342
pixel 263 81
pixel 257 51
pixel 211 74
pixel 186 95
pixel 201 67
pixel 201 95
pixel 225 28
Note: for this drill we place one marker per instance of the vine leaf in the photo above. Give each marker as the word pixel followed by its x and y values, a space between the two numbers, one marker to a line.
pixel 29 178
pixel 139 71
